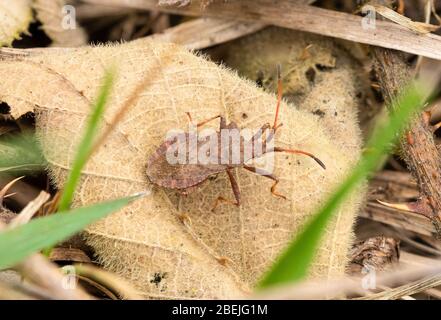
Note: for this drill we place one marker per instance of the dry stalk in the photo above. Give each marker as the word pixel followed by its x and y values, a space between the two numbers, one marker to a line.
pixel 299 16
pixel 108 280
pixel 407 289
pixel 30 210
pixel 353 286
pixel 418 146
pixel 206 32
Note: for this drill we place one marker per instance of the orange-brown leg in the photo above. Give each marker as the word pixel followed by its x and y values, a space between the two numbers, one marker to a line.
pixel 190 119
pixel 264 140
pixel 269 176
pixel 259 133
pixel 236 192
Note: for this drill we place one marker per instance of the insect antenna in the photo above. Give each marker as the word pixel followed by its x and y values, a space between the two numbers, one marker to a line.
pixel 276 125
pixel 278 149
pixel 279 96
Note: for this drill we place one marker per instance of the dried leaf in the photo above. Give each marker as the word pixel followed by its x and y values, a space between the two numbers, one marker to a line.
pixel 6 216
pixel 420 206
pixel 377 253
pixel 147 241
pixel 394 16
pixel 15 17
pixel 205 32
pixel 107 280
pixel 58 25
pixel 69 254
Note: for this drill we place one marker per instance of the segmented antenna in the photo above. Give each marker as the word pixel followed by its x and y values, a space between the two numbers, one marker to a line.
pixel 279 95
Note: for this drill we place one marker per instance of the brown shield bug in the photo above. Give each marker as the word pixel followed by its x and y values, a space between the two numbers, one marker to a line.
pixel 185 177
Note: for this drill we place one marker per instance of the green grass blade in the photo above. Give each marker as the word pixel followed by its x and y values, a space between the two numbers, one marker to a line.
pixel 86 143
pixel 294 262
pixel 20 242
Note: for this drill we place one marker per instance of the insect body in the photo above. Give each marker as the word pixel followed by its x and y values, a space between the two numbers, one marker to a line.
pixel 185 177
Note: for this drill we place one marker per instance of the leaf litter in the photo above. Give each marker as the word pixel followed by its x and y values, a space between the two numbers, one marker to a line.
pixel 148 237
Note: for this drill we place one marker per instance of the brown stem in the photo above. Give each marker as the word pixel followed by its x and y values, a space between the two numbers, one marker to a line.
pixel 417 145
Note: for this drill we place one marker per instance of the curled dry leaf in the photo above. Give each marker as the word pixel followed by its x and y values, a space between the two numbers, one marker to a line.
pixel 15 17
pixel 107 280
pixel 419 27
pixel 59 23
pixel 377 253
pixel 147 242
pixel 6 215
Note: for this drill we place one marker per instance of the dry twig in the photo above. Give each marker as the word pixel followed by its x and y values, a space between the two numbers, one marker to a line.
pixel 30 210
pixel 108 280
pixel 418 145
pixel 407 289
pixel 298 16
pixel 348 285
pixel 207 32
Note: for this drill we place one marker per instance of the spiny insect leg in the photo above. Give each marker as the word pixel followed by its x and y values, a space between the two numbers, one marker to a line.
pixel 189 118
pixel 261 131
pixel 236 192
pixel 234 186
pixel 269 176
pixel 200 124
pixel 255 143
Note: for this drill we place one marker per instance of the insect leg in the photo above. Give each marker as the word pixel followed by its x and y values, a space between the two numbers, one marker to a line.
pixel 189 118
pixel 267 175
pixel 265 139
pixel 236 192
pixel 259 133
pixel 200 124
pixel 223 123
pixel 278 149
pixel 234 186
